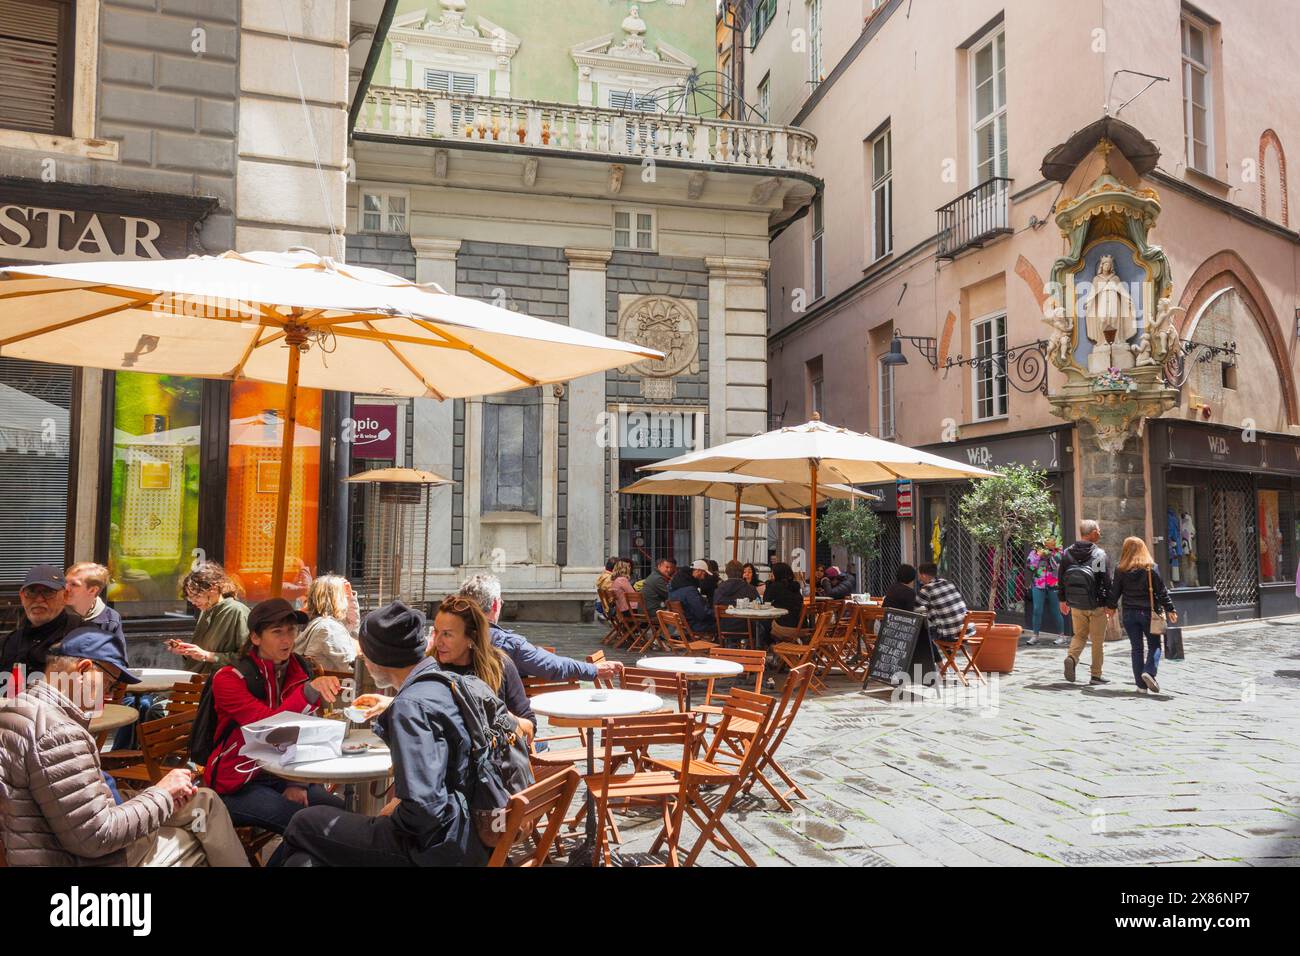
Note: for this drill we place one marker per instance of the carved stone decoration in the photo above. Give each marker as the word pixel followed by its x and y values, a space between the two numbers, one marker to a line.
pixel 452 22
pixel 671 326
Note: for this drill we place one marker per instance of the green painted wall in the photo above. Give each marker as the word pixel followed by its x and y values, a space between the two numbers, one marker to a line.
pixel 543 69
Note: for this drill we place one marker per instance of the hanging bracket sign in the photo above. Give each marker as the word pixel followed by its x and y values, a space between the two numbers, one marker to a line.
pixel 904 499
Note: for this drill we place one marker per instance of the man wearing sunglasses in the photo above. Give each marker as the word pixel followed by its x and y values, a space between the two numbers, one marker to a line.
pixel 44 597
pixel 58 809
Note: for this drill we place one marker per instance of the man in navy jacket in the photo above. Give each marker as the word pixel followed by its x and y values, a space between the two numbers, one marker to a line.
pixel 428 822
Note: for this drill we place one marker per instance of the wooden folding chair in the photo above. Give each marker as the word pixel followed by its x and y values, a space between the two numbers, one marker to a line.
pixel 732 628
pixel 983 622
pixel 753 662
pixel 164 745
pixel 549 798
pixel 794 655
pixel 834 651
pixel 679 609
pixel 948 651
pixel 792 695
pixel 675 633
pixel 641 631
pixel 661 787
pixel 754 712
pixel 606 598
pixel 671 687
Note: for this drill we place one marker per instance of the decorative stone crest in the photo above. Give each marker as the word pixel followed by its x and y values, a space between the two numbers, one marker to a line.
pixel 1108 302
pixel 452 22
pixel 669 325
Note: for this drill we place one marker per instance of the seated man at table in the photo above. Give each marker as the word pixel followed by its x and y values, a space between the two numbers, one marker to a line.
pixel 46 619
pixel 530 660
pixel 428 822
pixel 685 587
pixel 59 811
pixel 267 678
pixel 655 588
pixel 735 588
pixel 902 593
pixel 942 604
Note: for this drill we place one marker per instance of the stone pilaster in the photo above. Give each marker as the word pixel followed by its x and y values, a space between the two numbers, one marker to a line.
pixel 587 545
pixel 1114 490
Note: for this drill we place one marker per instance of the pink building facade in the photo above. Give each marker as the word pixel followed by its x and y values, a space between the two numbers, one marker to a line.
pixel 937 223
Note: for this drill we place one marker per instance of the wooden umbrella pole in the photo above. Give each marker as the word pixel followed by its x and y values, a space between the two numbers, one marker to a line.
pixel 735 541
pixel 295 337
pixel 812 531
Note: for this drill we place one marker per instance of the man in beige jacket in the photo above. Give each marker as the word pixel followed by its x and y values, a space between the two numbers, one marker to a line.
pixel 55 807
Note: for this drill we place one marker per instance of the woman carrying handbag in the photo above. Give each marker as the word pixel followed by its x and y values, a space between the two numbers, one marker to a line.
pixel 1147 606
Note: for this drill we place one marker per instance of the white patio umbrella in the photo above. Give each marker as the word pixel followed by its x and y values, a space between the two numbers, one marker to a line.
pixel 818 453
pixel 291 318
pixel 740 489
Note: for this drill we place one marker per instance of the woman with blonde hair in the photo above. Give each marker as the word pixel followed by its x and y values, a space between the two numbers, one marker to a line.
pixel 327 639
pixel 1144 593
pixel 621 584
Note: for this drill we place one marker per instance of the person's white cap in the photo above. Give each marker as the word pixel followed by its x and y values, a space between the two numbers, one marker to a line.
pixel 699 566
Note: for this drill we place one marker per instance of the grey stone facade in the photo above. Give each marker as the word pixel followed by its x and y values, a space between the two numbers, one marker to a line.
pixel 1114 491
pixel 174 112
pixel 640 273
pixel 389 251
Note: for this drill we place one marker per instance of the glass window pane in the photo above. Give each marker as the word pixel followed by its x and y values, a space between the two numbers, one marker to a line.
pixel 372 202
pixel 643 241
pixel 256 430
pixel 1196 40
pixel 622 220
pixel 154 511
pixel 984 145
pixel 371 222
pixel 984 64
pixel 621 239
pixel 35 403
pixel 643 221
pixel 984 99
pixel 1200 88
pixel 879 159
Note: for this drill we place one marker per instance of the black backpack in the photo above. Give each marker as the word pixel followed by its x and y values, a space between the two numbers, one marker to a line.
pixel 203 734
pixel 498 759
pixel 1081 583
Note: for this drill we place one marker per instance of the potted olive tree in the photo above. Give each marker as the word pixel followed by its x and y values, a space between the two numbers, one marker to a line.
pixel 853 527
pixel 1001 512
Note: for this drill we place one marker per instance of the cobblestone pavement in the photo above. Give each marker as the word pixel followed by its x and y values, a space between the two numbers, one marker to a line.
pixel 1040 772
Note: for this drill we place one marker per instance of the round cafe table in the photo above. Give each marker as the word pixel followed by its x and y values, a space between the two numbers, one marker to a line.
pixel 156 679
pixel 692 668
pixel 114 717
pixel 588 709
pixel 349 769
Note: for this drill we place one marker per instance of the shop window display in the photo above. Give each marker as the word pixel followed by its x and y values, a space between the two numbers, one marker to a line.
pixel 1185 518
pixel 256 431
pixel 154 505
pixel 1276 541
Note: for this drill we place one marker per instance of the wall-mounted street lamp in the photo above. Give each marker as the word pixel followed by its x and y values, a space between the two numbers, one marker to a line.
pixel 1024 366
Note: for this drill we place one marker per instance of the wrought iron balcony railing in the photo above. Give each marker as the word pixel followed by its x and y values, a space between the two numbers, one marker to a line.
pixel 975 217
pixel 595 131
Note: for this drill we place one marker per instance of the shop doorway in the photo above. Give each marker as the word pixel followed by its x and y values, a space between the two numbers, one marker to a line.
pixel 651 526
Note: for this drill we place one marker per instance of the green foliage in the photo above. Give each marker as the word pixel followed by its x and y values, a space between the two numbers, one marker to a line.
pixel 856 529
pixel 1015 505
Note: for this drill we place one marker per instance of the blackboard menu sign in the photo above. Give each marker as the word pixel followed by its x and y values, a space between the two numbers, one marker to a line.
pixel 895 645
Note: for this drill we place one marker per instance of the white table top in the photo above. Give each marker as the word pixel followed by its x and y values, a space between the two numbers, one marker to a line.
pixel 595 703
pixel 375 764
pixel 761 613
pixel 692 667
pixel 158 678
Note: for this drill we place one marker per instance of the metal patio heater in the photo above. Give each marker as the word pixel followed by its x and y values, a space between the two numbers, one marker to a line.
pixel 398 513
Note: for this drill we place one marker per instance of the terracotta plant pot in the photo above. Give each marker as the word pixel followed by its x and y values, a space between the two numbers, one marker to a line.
pixel 997 653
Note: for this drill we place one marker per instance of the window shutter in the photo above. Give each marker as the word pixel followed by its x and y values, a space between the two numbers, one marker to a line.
pixel 35 65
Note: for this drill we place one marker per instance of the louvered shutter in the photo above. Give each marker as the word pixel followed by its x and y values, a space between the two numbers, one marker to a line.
pixel 457 84
pixel 35 65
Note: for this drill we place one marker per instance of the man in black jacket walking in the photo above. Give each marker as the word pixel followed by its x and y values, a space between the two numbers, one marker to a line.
pixel 1083 586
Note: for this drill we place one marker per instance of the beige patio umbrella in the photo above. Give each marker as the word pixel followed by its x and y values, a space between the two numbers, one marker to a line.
pixel 292 318
pixel 818 453
pixel 739 489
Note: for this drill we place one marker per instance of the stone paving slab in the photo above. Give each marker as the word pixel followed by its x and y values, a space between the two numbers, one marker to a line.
pixel 1041 772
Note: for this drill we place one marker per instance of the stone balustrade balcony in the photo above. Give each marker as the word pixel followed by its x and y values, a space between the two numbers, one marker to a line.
pixel 586 131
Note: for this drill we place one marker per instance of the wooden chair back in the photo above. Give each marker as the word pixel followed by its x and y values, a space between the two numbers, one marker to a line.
pixel 167 737
pixel 640 629
pixel 675 607
pixel 753 662
pixel 787 706
pixel 186 696
pixel 981 620
pixel 674 631
pixel 746 716
pixel 598 658
pixel 533 686
pixel 637 735
pixel 549 798
pixel 672 687
pixel 732 627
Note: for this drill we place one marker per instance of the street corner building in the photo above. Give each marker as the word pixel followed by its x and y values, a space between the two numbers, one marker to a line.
pixel 581 168
pixel 999 269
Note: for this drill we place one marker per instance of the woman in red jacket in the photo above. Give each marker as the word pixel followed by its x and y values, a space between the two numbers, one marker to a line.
pixel 253 797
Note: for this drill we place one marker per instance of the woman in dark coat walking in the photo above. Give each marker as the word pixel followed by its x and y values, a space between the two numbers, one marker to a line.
pixel 1139 583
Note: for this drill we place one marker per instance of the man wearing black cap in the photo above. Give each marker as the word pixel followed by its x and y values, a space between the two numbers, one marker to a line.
pixel 58 809
pixel 44 598
pixel 428 823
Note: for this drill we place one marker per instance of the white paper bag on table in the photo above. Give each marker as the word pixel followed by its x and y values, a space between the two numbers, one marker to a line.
pixel 284 739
